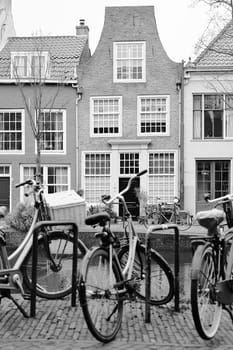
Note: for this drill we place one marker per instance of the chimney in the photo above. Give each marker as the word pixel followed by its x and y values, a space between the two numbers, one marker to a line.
pixel 82 29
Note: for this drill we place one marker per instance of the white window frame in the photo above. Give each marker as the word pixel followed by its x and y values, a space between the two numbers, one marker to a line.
pixel 143 79
pixel 45 175
pixel 94 175
pixel 64 119
pixel 202 118
pixel 94 98
pixel 164 175
pixel 22 151
pixel 29 55
pixel 139 98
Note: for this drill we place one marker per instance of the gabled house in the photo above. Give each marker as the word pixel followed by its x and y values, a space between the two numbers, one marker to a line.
pixel 39 68
pixel 129 112
pixel 208 122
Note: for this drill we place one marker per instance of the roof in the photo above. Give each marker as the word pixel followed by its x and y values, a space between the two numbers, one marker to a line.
pixel 219 53
pixel 64 53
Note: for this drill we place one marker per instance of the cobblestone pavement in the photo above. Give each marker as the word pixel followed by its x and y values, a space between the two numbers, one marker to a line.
pixel 59 326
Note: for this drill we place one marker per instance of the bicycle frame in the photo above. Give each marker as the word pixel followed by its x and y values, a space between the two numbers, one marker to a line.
pixel 132 235
pixel 10 275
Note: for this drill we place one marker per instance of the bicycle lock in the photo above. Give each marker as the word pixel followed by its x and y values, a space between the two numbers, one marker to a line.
pixel 151 231
pixel 38 227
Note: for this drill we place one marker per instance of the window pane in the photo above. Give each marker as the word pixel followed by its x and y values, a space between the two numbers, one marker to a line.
pixel 229 115
pixel 106 116
pixel 129 61
pixel 11 131
pixel 153 114
pixel 161 176
pixel 97 176
pixel 52 129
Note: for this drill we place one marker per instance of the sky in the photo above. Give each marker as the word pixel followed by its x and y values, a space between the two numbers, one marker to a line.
pixel 179 25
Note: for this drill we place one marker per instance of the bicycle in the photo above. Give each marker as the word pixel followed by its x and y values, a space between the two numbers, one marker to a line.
pixel 212 267
pixel 55 248
pixel 166 213
pixel 112 273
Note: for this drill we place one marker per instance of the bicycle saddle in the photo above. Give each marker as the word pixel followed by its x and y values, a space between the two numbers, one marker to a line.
pixel 210 219
pixel 99 218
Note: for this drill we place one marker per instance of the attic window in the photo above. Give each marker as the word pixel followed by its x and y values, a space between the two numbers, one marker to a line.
pixel 29 65
pixel 129 62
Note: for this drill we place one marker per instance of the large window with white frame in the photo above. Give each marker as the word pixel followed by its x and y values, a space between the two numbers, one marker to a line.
pixel 55 178
pixel 161 176
pixel 53 131
pixel 212 116
pixel 97 176
pixel 11 131
pixel 29 65
pixel 106 116
pixel 129 61
pixel 153 115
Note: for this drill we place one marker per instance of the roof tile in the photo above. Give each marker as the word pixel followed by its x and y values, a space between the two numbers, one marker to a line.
pixel 64 53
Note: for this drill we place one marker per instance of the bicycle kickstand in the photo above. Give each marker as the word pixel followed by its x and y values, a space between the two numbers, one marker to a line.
pixel 6 294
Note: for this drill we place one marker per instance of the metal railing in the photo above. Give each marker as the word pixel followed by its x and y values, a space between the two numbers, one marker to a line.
pixel 150 232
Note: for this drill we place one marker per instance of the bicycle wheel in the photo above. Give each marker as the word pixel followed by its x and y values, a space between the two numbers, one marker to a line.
pixel 206 310
pixel 54 275
pixel 162 279
pixel 99 297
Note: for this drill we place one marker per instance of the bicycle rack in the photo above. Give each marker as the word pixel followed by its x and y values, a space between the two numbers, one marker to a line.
pixel 37 228
pixel 151 231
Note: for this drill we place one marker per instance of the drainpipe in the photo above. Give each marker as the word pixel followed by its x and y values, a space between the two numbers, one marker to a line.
pixel 79 92
pixel 181 141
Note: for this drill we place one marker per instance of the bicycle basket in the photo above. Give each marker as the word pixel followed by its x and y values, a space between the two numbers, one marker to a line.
pixel 228 209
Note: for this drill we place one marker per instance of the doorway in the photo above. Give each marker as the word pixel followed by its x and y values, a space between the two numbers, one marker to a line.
pixel 130 196
pixel 5 191
pixel 212 177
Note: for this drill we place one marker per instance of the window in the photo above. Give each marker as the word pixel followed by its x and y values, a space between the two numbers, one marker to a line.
pixel 11 131
pixel 213 176
pixel 161 177
pixel 129 62
pixel 153 112
pixel 97 176
pixel 212 116
pixel 129 163
pixel 53 131
pixel 55 178
pixel 29 65
pixel 106 116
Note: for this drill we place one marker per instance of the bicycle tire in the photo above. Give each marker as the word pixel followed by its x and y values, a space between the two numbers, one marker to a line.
pixel 206 310
pixel 162 279
pixel 100 301
pixel 53 282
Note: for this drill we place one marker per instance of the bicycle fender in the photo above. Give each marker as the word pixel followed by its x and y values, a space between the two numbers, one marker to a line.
pixel 86 260
pixel 196 263
pixel 195 243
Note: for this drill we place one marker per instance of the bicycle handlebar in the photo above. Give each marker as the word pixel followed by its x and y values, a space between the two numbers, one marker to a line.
pixel 27 182
pixel 227 197
pixel 119 195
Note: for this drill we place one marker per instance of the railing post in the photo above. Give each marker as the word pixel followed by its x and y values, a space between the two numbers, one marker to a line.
pixel 148 279
pixel 152 230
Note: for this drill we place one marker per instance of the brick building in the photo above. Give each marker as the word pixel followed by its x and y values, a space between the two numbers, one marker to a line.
pixel 43 67
pixel 129 112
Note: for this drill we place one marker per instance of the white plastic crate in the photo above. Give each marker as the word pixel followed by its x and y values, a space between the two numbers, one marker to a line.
pixel 66 206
